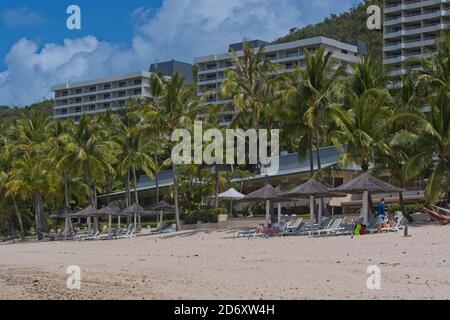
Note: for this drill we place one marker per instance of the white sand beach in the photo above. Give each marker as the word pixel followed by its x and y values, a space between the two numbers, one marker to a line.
pixel 215 265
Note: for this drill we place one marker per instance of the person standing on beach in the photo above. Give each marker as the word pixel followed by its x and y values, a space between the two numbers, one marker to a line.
pixel 381 215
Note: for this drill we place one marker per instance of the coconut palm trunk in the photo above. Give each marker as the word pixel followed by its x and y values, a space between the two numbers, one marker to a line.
pixel 175 196
pixel 216 188
pixel 41 222
pixel 68 227
pixel 136 195
pixel 19 217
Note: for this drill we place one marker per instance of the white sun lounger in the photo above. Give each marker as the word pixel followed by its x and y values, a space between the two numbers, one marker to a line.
pixel 333 228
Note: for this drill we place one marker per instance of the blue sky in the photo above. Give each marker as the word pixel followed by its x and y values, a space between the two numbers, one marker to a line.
pixel 38 51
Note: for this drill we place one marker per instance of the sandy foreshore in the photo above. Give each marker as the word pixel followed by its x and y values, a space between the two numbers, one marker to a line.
pixel 215 265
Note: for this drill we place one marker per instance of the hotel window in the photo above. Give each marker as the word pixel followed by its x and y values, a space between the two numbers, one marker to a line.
pixel 91 107
pixel 122 84
pixel 65 93
pixel 107 86
pixel 92 89
pixel 106 105
pixel 77 109
pixel 63 111
pixel 91 98
pixel 122 94
pixel 78 91
pixel 271 56
pixel 137 92
pixel 106 96
pixel 137 82
pixel 78 100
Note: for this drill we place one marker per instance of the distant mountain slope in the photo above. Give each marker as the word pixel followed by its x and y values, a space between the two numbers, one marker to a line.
pixel 347 26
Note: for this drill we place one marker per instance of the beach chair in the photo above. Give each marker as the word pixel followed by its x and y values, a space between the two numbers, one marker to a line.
pixel 297 232
pixel 293 226
pixel 399 226
pixel 325 224
pixel 91 237
pixel 333 228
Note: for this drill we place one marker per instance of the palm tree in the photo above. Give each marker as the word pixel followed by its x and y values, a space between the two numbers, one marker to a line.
pixel 89 152
pixel 431 135
pixel 6 161
pixel 136 151
pixel 295 131
pixel 362 128
pixel 173 106
pixel 34 178
pixel 252 85
pixel 317 83
pixel 435 72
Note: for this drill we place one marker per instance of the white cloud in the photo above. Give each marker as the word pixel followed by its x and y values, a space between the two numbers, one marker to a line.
pixel 22 16
pixel 185 28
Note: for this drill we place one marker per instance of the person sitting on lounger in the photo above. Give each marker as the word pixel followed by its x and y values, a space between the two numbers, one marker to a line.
pixel 260 229
pixel 390 223
pixel 380 216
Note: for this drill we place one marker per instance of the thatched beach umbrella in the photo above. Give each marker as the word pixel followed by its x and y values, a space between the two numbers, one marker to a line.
pixel 66 215
pixel 85 213
pixel 367 184
pixel 267 194
pixel 134 209
pixel 231 194
pixel 161 207
pixel 312 189
pixel 109 211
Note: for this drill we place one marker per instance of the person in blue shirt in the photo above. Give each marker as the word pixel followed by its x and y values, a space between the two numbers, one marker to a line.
pixel 381 215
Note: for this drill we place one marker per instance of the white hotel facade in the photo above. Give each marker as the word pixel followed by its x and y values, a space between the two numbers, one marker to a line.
pixel 411 28
pixel 212 69
pixel 72 100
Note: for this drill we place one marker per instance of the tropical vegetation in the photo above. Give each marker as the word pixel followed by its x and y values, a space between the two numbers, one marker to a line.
pixel 378 124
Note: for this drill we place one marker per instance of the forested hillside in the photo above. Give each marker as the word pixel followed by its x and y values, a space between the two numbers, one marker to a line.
pixel 345 27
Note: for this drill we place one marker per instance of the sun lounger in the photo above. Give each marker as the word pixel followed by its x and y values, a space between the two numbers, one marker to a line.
pixel 91 237
pixel 293 226
pixel 332 229
pixel 399 226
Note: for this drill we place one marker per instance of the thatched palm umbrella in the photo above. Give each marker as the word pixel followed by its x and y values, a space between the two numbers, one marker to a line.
pixel 160 207
pixel 367 184
pixel 66 215
pixel 312 189
pixel 134 209
pixel 85 213
pixel 109 211
pixel 267 194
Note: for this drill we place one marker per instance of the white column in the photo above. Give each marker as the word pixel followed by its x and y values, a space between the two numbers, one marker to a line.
pixel 118 222
pixel 279 212
pixel 365 207
pixel 267 213
pixel 135 221
pixel 311 211
pixel 89 224
pixel 320 211
pixel 110 224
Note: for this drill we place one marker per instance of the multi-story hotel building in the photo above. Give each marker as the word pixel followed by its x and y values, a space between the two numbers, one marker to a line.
pixel 212 69
pixel 92 97
pixel 411 28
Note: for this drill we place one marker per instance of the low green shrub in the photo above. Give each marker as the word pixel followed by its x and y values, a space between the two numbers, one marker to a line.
pixel 205 215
